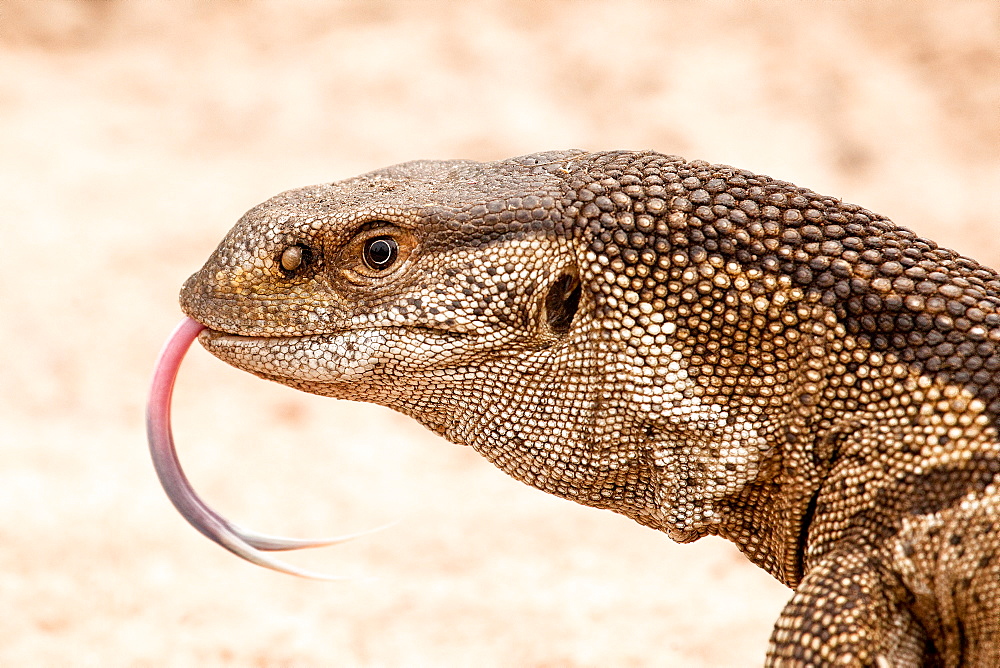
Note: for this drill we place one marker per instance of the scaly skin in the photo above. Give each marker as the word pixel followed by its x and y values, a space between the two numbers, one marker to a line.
pixel 702 349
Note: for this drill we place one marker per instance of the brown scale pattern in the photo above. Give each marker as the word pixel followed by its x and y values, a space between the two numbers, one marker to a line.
pixel 700 348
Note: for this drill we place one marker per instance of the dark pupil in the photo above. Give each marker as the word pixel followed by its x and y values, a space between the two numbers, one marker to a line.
pixel 380 252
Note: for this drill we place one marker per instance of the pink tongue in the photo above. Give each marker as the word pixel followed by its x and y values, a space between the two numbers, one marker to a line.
pixel 242 542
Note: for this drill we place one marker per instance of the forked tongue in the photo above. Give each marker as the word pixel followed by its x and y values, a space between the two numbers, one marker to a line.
pixel 241 542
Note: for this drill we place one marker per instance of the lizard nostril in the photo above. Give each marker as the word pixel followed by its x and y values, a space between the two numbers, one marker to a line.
pixel 562 302
pixel 294 258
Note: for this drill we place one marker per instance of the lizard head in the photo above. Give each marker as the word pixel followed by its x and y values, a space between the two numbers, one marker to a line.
pixel 435 288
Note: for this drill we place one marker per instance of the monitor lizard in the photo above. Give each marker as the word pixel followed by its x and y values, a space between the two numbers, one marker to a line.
pixel 705 350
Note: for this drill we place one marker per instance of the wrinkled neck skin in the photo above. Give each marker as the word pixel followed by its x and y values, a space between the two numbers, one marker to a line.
pixel 635 434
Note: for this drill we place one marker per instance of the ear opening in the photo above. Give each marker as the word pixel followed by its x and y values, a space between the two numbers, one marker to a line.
pixel 562 302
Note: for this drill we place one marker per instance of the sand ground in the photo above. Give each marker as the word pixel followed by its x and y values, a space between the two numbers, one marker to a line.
pixel 133 134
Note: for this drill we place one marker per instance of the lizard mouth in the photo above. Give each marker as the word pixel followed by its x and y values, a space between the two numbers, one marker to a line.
pixel 325 358
pixel 343 357
pixel 242 542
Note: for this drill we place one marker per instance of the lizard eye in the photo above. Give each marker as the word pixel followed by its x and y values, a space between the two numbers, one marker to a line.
pixel 294 258
pixel 380 252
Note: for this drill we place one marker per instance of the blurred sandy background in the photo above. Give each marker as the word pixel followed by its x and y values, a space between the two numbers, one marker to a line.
pixel 134 134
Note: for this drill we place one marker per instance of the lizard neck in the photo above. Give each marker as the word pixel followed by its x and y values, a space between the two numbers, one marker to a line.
pixel 661 448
